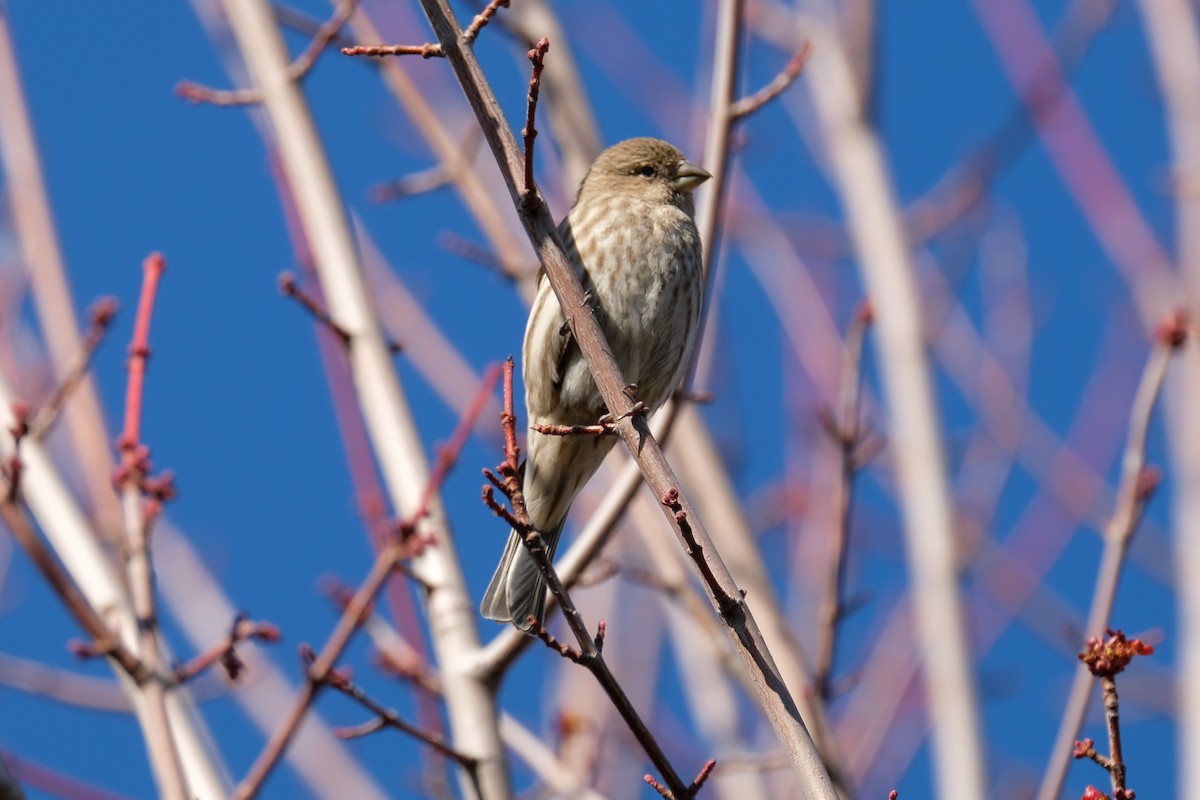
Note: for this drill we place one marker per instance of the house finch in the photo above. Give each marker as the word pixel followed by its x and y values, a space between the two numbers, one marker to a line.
pixel 634 245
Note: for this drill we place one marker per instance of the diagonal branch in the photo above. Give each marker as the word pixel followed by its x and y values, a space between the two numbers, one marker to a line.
pixel 297 71
pixel 774 697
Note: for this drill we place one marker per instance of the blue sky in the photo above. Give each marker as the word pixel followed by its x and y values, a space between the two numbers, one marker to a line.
pixel 238 405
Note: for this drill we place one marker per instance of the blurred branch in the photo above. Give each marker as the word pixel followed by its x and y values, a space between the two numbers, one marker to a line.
pixel 101 316
pixel 225 653
pixel 862 180
pixel 297 71
pixel 387 718
pixel 42 258
pixel 290 288
pixel 407 542
pixel 103 640
pixel 49 780
pixel 778 85
pixel 847 430
pixel 87 566
pixel 426 180
pixel 1136 486
pixel 1173 39
pixel 444 140
pixel 63 686
pixel 393 432
pixel 1078 155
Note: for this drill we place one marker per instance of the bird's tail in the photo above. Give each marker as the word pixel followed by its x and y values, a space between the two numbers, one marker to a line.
pixel 518 590
pixel 557 468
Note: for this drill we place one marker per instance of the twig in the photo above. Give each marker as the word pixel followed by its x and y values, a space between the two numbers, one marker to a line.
pixel 748 105
pixel 430 50
pixel 602 429
pixel 388 718
pixel 847 432
pixel 290 288
pixel 307 24
pixel 101 314
pixel 104 641
pixel 693 789
pixel 423 50
pixel 465 248
pixel 889 274
pixel 297 71
pixel 224 653
pixel 132 480
pixel 773 694
pixel 1105 659
pixel 507 478
pixel 427 180
pixel 390 555
pixel 318 673
pixel 1133 492
pixel 483 18
pixel 537 56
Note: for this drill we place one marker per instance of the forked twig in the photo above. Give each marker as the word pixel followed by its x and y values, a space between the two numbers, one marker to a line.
pixel 298 70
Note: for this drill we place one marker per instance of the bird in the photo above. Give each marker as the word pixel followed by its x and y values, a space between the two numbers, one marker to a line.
pixel 631 238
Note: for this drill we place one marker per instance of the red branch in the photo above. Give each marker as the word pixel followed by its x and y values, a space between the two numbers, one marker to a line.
pixel 537 56
pixel 139 354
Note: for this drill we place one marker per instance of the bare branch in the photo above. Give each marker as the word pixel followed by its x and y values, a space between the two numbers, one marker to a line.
pixel 101 314
pixel 398 549
pixel 537 56
pixel 1132 494
pixel 297 71
pixel 778 85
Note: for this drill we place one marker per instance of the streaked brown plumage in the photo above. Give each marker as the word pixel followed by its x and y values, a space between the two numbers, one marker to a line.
pixel 633 242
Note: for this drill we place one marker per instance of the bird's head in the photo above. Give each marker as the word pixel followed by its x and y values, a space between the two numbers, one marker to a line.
pixel 645 168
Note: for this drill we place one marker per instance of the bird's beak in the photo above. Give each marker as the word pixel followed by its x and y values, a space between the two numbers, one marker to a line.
pixel 688 176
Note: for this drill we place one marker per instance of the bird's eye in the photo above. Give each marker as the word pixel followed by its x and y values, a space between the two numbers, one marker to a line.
pixel 646 171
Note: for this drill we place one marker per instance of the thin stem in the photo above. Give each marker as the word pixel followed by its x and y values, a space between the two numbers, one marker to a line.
pixel 847 432
pixel 102 314
pixel 318 673
pixel 387 718
pixel 1112 719
pixel 297 71
pixel 356 612
pixel 778 85
pixel 1132 494
pixel 104 640
pixel 161 743
pixel 537 56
